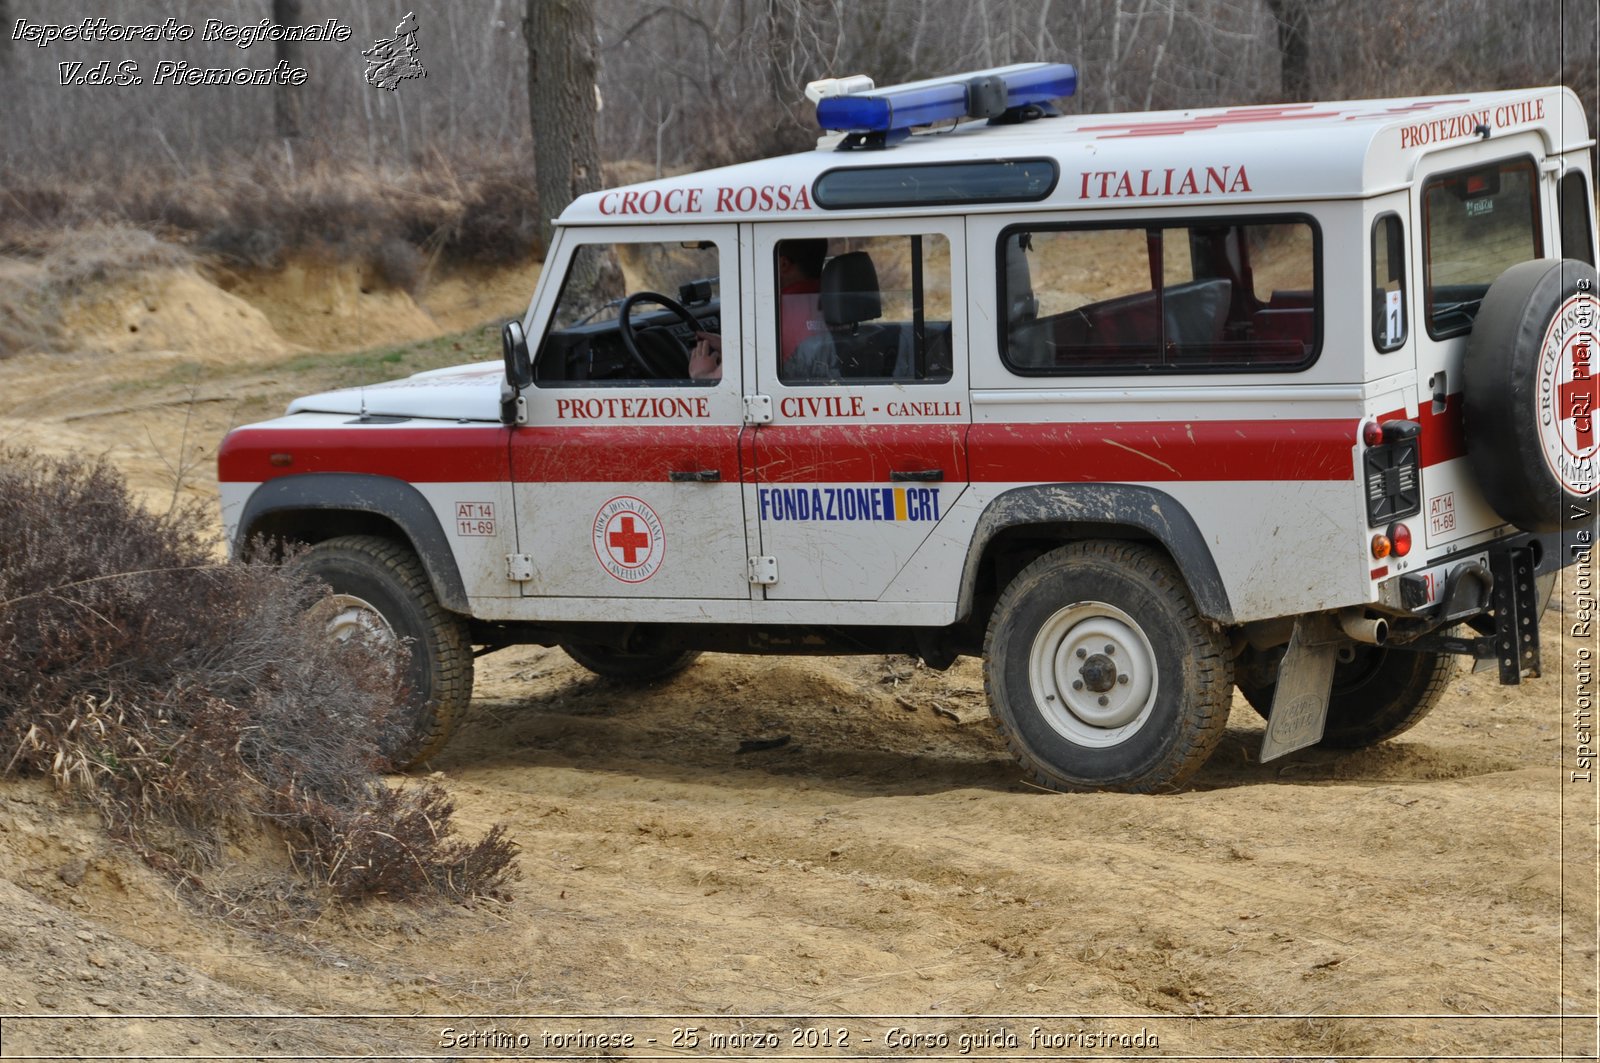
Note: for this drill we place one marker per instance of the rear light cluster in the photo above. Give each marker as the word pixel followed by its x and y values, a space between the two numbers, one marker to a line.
pixel 1393 484
pixel 1396 542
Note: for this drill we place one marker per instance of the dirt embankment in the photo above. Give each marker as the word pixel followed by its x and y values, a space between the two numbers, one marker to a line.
pixel 1432 896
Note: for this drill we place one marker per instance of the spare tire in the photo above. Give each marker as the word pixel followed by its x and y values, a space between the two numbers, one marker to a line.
pixel 1529 391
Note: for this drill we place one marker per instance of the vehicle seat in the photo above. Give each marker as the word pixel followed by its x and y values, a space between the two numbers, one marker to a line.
pixel 850 298
pixel 1195 312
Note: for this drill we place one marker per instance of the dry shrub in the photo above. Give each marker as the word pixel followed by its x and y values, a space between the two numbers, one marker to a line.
pixel 186 698
pixel 46 268
pixel 254 212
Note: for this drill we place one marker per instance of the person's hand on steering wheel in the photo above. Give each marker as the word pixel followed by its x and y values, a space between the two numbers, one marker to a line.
pixel 705 361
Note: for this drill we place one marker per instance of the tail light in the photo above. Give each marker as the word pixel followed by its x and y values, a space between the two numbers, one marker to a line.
pixel 1400 539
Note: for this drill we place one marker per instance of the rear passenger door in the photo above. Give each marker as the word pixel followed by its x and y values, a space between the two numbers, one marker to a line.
pixel 865 450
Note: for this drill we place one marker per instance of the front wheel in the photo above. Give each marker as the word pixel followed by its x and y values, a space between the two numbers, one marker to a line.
pixel 381 593
pixel 1102 674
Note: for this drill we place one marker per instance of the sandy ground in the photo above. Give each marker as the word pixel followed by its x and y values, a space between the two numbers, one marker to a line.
pixel 1434 896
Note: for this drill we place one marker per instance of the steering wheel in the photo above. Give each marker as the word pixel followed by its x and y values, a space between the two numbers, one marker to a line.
pixel 652 364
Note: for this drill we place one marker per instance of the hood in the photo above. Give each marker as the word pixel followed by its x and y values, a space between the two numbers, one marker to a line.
pixel 459 393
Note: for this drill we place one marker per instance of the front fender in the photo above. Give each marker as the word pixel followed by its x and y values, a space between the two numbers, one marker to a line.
pixel 281 507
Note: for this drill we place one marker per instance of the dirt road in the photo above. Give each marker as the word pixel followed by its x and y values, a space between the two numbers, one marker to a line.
pixel 1432 896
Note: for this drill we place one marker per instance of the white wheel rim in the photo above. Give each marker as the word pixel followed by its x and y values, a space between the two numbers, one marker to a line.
pixel 1093 674
pixel 355 618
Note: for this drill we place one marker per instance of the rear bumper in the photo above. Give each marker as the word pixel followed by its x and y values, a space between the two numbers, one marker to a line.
pixel 1545 552
pixel 1488 604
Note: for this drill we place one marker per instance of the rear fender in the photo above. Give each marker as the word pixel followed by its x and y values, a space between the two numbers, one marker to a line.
pixel 1113 508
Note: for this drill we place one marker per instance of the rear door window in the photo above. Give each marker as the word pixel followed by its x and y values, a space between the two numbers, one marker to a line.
pixel 1577 238
pixel 1476 223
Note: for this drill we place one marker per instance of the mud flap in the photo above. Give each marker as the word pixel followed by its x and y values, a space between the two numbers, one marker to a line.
pixel 1305 683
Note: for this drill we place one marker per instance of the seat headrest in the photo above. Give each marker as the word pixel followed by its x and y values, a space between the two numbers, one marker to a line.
pixel 850 289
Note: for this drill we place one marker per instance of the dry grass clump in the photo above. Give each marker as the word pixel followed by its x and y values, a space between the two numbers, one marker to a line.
pixel 45 268
pixel 190 700
pixel 254 212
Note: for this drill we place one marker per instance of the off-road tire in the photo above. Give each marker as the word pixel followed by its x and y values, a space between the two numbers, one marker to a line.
pixel 623 667
pixel 1382 692
pixel 1509 399
pixel 388 576
pixel 1086 596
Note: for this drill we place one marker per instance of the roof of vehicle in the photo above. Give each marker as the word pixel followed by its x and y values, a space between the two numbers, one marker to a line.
pixel 1277 152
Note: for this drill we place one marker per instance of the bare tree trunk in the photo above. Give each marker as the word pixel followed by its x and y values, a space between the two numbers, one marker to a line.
pixel 562 72
pixel 1294 46
pixel 5 34
pixel 286 101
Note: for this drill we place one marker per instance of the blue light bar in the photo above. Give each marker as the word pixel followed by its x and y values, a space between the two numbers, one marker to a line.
pixel 980 94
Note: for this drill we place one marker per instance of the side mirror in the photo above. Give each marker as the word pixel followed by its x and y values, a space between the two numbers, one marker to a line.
pixel 514 347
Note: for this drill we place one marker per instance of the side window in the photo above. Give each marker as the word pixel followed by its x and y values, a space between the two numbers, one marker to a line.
pixel 1475 224
pixel 587 342
pixel 1577 238
pixel 1388 282
pixel 1198 296
pixel 861 308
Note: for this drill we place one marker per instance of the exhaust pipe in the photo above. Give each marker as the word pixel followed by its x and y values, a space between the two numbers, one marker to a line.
pixel 1357 626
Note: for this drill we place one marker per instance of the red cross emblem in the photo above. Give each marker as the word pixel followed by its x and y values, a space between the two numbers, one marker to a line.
pixel 1577 398
pixel 629 541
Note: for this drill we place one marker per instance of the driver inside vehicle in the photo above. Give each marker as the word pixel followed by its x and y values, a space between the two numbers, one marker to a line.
pixel 799 310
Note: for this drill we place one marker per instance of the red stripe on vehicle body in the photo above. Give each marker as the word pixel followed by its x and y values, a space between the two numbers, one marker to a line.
pixel 1148 451
pixel 858 453
pixel 1144 451
pixel 1444 435
pixel 615 453
pixel 417 455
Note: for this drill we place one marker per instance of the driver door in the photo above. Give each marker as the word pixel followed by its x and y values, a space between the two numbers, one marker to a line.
pixel 626 476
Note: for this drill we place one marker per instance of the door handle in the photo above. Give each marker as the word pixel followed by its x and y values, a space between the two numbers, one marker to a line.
pixel 916 475
pixel 695 476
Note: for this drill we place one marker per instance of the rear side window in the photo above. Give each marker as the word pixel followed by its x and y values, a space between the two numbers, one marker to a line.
pixel 1388 282
pixel 1476 223
pixel 1194 296
pixel 1577 238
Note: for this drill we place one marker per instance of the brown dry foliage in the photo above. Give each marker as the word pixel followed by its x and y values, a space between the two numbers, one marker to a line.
pixel 254 210
pixel 185 698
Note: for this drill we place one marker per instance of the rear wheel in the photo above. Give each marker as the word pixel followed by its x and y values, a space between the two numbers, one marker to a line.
pixel 610 663
pixel 381 594
pixel 1528 393
pixel 1378 692
pixel 1101 673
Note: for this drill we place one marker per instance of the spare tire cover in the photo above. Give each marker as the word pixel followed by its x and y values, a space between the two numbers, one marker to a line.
pixel 1529 393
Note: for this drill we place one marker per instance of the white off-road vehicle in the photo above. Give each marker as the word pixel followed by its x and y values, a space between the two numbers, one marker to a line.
pixel 1137 407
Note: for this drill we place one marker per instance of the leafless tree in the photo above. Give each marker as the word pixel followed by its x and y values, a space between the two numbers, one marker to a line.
pixel 286 99
pixel 1294 45
pixel 695 83
pixel 563 76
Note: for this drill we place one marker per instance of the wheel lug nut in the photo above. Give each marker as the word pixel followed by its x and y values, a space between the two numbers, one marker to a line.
pixel 1082 653
pixel 1110 649
pixel 1077 684
pixel 1104 700
pixel 1122 679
